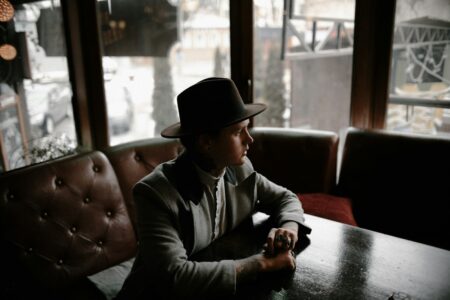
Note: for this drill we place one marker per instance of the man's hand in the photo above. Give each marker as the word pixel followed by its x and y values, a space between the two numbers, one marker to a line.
pixel 248 268
pixel 282 239
pixel 277 255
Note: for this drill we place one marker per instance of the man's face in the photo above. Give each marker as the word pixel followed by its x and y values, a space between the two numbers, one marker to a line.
pixel 231 145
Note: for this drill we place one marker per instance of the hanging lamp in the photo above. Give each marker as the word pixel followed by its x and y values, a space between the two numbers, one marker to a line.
pixel 6 11
pixel 8 52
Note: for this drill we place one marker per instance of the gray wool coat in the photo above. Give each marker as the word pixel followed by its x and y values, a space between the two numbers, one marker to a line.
pixel 171 228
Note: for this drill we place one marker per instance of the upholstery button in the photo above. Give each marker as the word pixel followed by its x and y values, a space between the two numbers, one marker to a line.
pixel 87 200
pixel 60 262
pixel 73 229
pixel 109 213
pixel 59 181
pixel 96 169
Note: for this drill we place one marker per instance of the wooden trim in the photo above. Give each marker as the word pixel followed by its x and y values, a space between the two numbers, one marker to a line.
pixel 70 10
pixel 374 27
pixel 241 43
pixel 85 62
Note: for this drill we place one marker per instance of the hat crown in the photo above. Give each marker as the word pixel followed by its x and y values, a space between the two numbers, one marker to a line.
pixel 210 104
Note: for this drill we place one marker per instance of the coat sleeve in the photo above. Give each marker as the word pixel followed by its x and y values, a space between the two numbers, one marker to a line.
pixel 165 258
pixel 282 204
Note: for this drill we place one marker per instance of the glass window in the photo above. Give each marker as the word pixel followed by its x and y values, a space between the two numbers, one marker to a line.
pixel 36 117
pixel 419 99
pixel 303 62
pixel 152 51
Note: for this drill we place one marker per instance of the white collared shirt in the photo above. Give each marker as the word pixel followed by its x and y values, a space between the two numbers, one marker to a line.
pixel 215 196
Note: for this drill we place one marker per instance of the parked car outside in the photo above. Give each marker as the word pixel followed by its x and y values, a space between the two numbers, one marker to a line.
pixel 48 104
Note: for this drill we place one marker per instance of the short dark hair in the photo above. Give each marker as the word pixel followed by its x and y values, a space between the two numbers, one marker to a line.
pixel 188 141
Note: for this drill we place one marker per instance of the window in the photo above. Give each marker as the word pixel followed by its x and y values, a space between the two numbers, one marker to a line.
pixel 419 98
pixel 36 116
pixel 303 62
pixel 152 51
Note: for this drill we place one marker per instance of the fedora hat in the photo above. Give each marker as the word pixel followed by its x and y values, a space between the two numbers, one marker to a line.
pixel 210 104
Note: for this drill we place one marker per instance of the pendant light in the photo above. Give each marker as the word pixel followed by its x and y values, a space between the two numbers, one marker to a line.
pixel 8 52
pixel 6 11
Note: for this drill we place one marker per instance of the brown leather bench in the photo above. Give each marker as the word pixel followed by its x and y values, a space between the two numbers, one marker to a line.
pixel 304 161
pixel 399 184
pixel 65 221
pixel 60 222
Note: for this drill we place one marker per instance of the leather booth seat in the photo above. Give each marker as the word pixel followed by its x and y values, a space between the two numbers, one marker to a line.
pixel 303 161
pixel 399 184
pixel 67 219
pixel 61 221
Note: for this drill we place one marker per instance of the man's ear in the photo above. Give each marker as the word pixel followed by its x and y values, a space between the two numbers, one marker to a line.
pixel 204 142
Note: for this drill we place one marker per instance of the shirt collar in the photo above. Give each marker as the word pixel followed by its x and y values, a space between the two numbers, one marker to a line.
pixel 207 178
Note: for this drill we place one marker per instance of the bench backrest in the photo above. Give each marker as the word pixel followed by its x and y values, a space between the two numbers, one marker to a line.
pixel 132 161
pixel 63 220
pixel 303 161
pixel 399 184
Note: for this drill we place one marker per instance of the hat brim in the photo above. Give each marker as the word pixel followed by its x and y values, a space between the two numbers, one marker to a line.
pixel 176 131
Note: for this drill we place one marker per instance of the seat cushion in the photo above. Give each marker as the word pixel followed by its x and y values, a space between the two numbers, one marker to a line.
pixel 329 207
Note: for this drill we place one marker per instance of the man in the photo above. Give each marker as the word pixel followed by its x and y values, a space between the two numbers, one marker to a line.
pixel 186 204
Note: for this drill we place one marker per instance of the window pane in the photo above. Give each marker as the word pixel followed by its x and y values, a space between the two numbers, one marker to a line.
pixel 154 50
pixel 303 65
pixel 419 98
pixel 36 110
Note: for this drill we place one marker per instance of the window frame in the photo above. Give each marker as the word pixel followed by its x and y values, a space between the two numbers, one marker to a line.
pixel 374 27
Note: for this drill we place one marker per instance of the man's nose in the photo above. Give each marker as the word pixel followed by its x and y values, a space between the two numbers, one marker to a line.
pixel 249 137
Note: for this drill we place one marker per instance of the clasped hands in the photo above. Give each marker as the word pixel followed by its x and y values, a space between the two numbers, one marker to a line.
pixel 279 247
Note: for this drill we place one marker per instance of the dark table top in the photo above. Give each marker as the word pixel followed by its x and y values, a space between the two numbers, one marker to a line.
pixel 346 262
pixel 339 261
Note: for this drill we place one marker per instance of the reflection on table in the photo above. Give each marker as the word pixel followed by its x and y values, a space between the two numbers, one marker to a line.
pixel 337 261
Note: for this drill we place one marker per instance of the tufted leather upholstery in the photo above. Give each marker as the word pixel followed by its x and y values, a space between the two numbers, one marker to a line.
pixel 64 219
pixel 304 161
pixel 134 160
pixel 72 217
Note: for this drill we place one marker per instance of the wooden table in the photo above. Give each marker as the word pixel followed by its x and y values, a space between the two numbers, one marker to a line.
pixel 345 262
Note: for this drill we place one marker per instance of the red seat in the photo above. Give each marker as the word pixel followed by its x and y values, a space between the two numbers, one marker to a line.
pixel 329 207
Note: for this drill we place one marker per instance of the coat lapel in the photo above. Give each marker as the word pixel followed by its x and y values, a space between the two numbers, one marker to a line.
pixel 187 181
pixel 192 192
pixel 240 198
